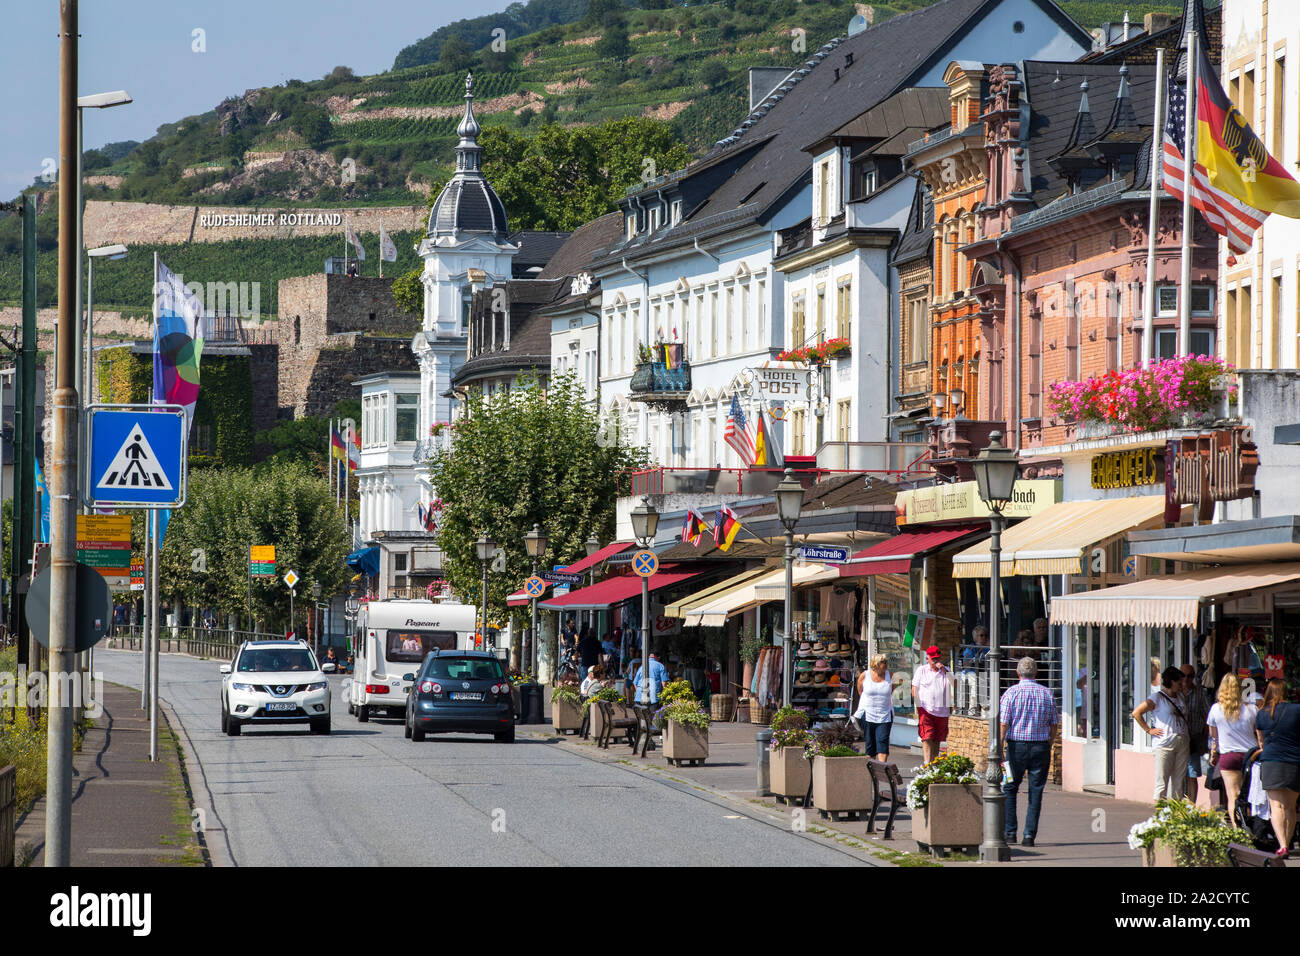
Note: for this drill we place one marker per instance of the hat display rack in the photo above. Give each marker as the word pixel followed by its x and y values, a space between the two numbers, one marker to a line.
pixel 825 671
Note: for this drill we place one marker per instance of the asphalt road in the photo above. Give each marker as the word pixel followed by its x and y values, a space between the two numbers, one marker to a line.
pixel 366 796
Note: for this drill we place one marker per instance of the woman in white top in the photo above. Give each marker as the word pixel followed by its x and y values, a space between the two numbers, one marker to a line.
pixel 1168 731
pixel 1232 735
pixel 592 682
pixel 875 713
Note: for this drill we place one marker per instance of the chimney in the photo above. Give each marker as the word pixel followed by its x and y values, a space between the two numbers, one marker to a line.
pixel 1155 22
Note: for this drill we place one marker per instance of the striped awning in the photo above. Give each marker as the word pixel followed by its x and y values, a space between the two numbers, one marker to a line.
pixel 1055 540
pixel 714 592
pixel 769 586
pixel 1172 601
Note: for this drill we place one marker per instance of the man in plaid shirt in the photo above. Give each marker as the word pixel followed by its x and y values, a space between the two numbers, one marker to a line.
pixel 1029 718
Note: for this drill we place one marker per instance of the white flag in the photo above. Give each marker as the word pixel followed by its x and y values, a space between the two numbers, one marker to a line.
pixel 356 243
pixel 387 248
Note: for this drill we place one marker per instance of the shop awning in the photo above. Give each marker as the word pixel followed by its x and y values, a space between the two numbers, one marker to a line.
pixel 895 555
pixel 365 560
pixel 1169 601
pixel 714 591
pixel 759 590
pixel 1055 541
pixel 614 590
pixel 520 598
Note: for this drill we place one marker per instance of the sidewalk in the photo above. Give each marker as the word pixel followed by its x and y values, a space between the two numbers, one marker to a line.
pixel 1076 829
pixel 126 810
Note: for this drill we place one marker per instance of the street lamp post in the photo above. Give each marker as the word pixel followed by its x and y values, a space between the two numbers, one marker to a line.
pixel 645 522
pixel 487 550
pixel 112 253
pixel 592 544
pixel 789 502
pixel 535 543
pixel 996 469
pixel 315 629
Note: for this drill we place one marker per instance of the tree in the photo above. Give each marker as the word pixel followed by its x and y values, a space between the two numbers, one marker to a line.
pixel 529 455
pixel 713 73
pixel 455 55
pixel 226 510
pixel 561 177
pixel 614 44
pixel 408 292
pixel 599 11
pixel 313 123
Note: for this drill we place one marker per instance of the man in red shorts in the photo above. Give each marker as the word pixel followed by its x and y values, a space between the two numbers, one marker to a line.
pixel 932 691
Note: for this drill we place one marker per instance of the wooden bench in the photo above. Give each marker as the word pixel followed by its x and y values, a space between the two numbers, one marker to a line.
pixel 611 723
pixel 1248 856
pixel 887 786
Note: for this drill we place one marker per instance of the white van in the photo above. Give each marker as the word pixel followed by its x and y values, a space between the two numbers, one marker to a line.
pixel 392 639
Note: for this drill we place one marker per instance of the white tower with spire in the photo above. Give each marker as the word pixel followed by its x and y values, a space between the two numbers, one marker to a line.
pixel 467 246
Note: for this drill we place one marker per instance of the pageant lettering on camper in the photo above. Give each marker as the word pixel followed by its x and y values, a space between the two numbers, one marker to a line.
pixel 215 220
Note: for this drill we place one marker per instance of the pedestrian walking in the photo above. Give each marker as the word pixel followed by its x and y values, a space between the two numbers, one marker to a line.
pixel 932 691
pixel 1197 707
pixel 588 648
pixel 1029 718
pixel 1232 735
pixel 875 713
pixel 656 677
pixel 1168 732
pixel 1277 728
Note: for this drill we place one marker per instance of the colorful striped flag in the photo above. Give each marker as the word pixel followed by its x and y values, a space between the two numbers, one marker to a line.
pixel 725 528
pixel 693 528
pixel 1226 215
pixel 1234 159
pixel 737 435
pixel 767 444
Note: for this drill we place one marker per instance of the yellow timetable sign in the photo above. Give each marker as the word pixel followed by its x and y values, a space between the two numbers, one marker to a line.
pixel 1128 468
pixel 261 559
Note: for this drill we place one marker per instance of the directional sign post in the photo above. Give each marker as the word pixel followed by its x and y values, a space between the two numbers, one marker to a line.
pixel 137 456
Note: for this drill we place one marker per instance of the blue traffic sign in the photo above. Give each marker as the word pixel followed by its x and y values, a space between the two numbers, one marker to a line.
pixel 822 554
pixel 645 563
pixel 137 456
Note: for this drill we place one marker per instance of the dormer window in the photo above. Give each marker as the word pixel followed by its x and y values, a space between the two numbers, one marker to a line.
pixel 655 213
pixel 631 225
pixel 676 212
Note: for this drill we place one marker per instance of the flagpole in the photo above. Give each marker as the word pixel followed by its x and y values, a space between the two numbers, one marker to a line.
pixel 381 249
pixel 1153 214
pixel 329 458
pixel 1189 163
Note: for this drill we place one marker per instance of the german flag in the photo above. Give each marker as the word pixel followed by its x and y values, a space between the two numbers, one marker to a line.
pixel 1235 160
pixel 725 528
pixel 693 528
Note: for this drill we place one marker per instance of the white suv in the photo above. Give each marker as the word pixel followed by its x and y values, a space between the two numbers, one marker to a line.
pixel 274 682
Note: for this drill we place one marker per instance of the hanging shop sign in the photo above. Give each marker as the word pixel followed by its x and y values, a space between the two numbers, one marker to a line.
pixel 962 501
pixel 1128 468
pixel 783 381
pixel 1213 466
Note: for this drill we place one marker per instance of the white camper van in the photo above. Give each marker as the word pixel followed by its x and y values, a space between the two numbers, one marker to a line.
pixel 392 639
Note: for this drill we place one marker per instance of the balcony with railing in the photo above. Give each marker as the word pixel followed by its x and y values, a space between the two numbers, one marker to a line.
pixel 663 378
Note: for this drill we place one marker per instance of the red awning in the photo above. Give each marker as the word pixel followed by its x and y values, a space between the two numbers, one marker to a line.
pixel 894 555
pixel 614 590
pixel 520 597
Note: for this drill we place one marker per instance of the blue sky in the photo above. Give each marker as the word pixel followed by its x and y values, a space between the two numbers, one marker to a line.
pixel 145 48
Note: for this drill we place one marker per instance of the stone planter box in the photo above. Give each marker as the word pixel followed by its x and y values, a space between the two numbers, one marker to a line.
pixel 685 743
pixel 841 784
pixel 566 716
pixel 598 722
pixel 791 773
pixel 953 817
pixel 1159 853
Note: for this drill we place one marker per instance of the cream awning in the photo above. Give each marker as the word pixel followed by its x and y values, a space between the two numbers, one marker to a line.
pixel 1172 601
pixel 804 577
pixel 714 612
pixel 1054 541
pixel 714 591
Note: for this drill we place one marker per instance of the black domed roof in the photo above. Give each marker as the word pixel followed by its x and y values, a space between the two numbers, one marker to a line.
pixel 468 203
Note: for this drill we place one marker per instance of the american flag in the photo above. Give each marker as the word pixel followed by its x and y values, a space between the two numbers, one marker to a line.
pixel 737 433
pixel 1226 215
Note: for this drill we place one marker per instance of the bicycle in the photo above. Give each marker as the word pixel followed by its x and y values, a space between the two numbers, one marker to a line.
pixel 568 668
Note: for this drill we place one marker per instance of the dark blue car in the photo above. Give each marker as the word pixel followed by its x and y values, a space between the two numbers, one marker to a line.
pixel 460 691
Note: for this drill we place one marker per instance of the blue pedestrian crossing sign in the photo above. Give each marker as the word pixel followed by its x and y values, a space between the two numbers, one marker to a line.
pixel 137 456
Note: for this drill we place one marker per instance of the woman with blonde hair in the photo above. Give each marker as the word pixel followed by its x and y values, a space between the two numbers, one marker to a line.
pixel 875 713
pixel 1277 726
pixel 1232 736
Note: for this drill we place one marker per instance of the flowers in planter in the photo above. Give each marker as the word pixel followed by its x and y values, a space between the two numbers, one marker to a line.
pixel 605 693
pixel 789 729
pixel 832 740
pixel 1142 399
pixel 950 768
pixel 437 428
pixel 568 693
pixel 678 703
pixel 817 354
pixel 1198 837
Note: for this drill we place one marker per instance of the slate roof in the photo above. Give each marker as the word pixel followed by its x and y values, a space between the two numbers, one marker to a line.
pixel 530 333
pixel 536 249
pixel 918 235
pixel 467 205
pixel 887 58
pixel 574 254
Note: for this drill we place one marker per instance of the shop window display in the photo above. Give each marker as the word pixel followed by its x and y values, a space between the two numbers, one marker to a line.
pixel 891 596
